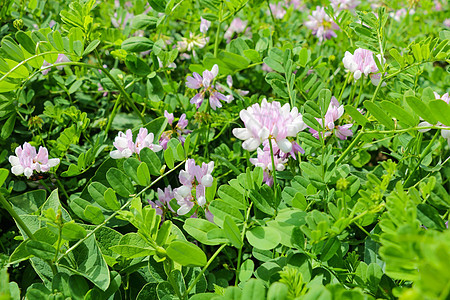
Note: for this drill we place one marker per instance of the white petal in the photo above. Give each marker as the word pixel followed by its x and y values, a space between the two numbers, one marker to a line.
pixel 424 124
pixel 251 144
pixel 201 200
pixel 17 170
pixel 184 209
pixel 207 180
pixel 53 162
pixel 116 154
pixel 28 172
pixel 14 160
pixel 126 152
pixel 184 191
pixel 285 145
pixel 242 133
pixel 263 134
pixel 156 148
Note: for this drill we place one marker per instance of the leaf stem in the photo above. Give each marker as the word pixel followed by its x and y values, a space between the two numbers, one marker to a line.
pixel 216 42
pixel 186 293
pixel 274 171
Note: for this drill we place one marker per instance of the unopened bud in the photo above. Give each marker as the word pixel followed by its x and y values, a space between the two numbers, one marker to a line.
pixel 342 184
pixel 18 24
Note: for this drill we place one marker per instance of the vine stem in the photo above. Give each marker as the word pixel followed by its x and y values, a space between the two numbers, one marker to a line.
pixel 350 147
pixel 116 212
pixel 244 229
pixel 186 293
pixel 16 217
pixel 274 171
pixel 216 42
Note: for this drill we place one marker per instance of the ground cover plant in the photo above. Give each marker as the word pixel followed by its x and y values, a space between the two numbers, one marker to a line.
pixel 224 149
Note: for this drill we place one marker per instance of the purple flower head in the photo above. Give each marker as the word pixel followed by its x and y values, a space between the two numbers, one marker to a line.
pixel 269 120
pixel 197 178
pixel 179 130
pixel 236 26
pixel 362 62
pixel 61 59
pixel 278 10
pixel 264 160
pixel 339 5
pixel 205 84
pixel 125 147
pixel 27 160
pixel 169 117
pixel 321 24
pixel 162 205
pixel 204 25
pixel 334 112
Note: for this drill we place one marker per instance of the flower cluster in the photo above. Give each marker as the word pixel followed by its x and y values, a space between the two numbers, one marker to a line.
pixel 236 26
pixel 333 113
pixel 193 178
pixel 178 130
pixel 321 24
pixel 278 11
pixel 162 205
pixel 126 147
pixel 188 44
pixel 28 160
pixel 270 123
pixel 269 120
pixel 204 25
pixel 230 98
pixel 445 133
pixel 339 5
pixel 205 84
pixel 362 62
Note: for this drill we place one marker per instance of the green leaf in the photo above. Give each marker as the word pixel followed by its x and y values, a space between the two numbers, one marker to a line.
pixel 41 249
pixel 137 44
pixel 90 264
pixel 58 41
pixel 233 61
pixel 421 109
pixel 441 111
pixel 186 254
pixel 329 249
pixel 263 238
pixel 304 57
pixel 430 217
pixel 399 113
pixel 131 251
pixel 73 232
pixel 137 65
pixel 91 47
pixel 111 199
pixel 143 174
pixel 144 22
pixel 379 114
pixel 130 166
pixel 158 5
pixel 26 42
pixel 168 158
pixel 199 228
pixel 8 126
pixel 20 71
pixel 261 202
pixel 3 175
pixel 253 55
pixel 152 161
pixel 221 209
pixel 94 214
pixel 275 65
pixel 232 196
pixel 324 99
pixel 97 191
pixel 254 289
pixel 232 232
pixel 120 182
pixel 277 291
pixel 356 115
pixel 246 270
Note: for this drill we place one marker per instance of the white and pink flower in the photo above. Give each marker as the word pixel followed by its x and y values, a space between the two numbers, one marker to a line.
pixel 322 26
pixel 362 62
pixel 27 160
pixel 125 147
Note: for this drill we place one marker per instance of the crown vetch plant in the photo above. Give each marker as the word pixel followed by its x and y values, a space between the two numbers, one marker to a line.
pixel 117 181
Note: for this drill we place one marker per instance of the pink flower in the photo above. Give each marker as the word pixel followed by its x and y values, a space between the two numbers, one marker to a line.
pixel 61 59
pixel 27 160
pixel 334 112
pixel 197 178
pixel 339 5
pixel 297 4
pixel 163 204
pixel 188 44
pixel 205 85
pixel 204 25
pixel 126 147
pixel 400 14
pixel 321 24
pixel 362 62
pixel 278 10
pixel 266 68
pixel 179 130
pixel 447 23
pixel 264 161
pixel 269 121
pixel 236 26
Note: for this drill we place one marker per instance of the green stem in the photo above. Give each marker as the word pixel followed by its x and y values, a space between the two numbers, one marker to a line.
pixel 343 87
pixel 360 92
pixel 422 156
pixel 208 110
pixel 116 212
pixel 350 147
pixel 274 171
pixel 216 42
pixel 244 229
pixel 16 217
pixel 186 293
pixel 113 114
